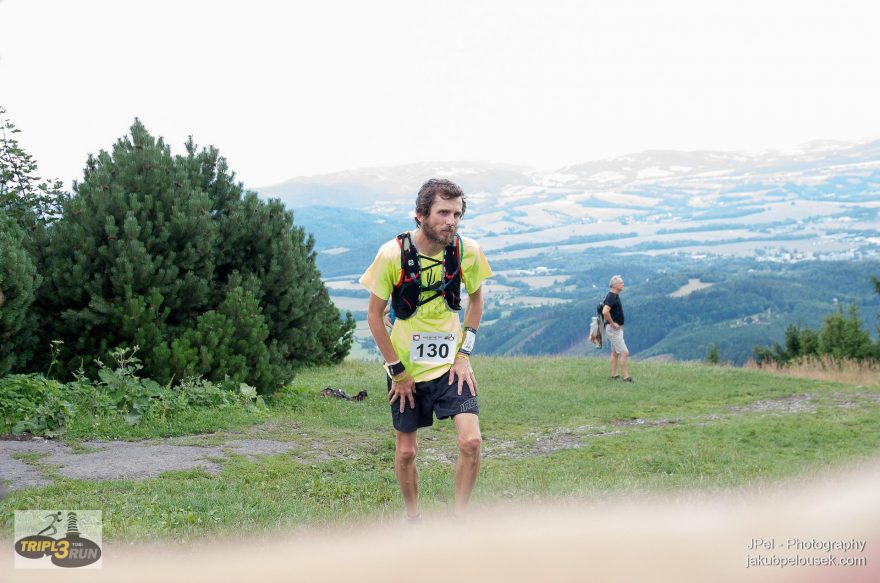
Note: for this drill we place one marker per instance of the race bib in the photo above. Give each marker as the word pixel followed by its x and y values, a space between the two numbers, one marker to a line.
pixel 435 347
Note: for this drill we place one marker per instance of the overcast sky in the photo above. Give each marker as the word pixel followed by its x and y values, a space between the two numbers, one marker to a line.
pixel 288 89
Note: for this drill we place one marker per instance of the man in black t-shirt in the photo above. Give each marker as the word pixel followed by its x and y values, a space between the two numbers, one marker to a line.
pixel 613 314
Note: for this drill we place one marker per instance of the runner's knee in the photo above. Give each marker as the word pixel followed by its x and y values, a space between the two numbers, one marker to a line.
pixel 406 454
pixel 470 445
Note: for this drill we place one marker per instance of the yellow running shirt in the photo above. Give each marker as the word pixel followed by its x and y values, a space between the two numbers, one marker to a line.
pixel 427 341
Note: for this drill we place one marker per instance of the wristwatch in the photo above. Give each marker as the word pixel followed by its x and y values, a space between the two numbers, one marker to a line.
pixel 394 368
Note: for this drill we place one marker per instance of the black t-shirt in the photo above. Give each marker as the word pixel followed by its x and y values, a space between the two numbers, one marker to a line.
pixel 612 300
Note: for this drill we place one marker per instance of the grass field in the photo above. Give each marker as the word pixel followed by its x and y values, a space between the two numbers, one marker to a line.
pixel 554 429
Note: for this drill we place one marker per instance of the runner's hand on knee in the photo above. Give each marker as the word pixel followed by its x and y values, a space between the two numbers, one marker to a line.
pixel 461 369
pixel 403 391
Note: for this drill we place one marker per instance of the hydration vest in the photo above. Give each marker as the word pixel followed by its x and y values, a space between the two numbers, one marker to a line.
pixel 406 296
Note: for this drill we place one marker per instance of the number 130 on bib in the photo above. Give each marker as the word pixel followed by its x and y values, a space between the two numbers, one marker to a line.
pixel 433 347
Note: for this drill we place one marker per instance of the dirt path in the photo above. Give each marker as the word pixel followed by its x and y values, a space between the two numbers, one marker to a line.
pixel 26 464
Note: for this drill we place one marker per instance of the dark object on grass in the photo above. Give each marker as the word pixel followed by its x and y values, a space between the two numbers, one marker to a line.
pixel 340 394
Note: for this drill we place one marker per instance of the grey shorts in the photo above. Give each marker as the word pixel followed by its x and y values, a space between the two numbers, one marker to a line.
pixel 616 339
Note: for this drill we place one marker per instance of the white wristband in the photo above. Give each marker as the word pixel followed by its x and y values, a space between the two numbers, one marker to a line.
pixel 470 338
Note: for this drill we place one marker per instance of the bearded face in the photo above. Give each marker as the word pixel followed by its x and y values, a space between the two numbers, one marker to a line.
pixel 440 225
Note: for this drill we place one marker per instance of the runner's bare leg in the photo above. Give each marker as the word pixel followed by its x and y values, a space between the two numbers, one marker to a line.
pixel 406 445
pixel 468 465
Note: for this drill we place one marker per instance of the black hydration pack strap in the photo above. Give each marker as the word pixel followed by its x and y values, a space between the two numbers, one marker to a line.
pixel 439 287
pixel 406 296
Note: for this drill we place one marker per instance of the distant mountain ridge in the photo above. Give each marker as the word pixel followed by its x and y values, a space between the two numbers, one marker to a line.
pixel 823 191
pixel 360 188
pixel 659 218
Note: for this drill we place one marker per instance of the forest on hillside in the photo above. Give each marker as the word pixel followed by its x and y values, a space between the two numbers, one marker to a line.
pixel 750 303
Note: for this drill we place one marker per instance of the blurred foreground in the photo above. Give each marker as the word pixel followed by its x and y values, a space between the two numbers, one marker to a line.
pixel 683 536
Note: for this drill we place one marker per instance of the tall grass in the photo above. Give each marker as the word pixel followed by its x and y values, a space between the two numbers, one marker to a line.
pixel 826 368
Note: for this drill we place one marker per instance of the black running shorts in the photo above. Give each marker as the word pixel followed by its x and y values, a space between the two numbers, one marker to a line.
pixel 434 396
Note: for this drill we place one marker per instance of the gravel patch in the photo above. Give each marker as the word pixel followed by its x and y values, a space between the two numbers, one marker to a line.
pixel 121 460
pixel 787 404
pixel 257 447
pixel 124 460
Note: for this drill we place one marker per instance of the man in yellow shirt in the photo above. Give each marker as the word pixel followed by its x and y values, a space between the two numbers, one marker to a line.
pixel 427 356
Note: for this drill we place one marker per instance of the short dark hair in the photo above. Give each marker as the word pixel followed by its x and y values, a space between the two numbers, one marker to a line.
pixel 447 189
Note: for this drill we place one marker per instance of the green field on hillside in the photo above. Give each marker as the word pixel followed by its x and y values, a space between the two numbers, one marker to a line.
pixel 553 428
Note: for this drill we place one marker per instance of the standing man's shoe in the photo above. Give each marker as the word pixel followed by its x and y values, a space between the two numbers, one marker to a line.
pixel 628 380
pixel 615 377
